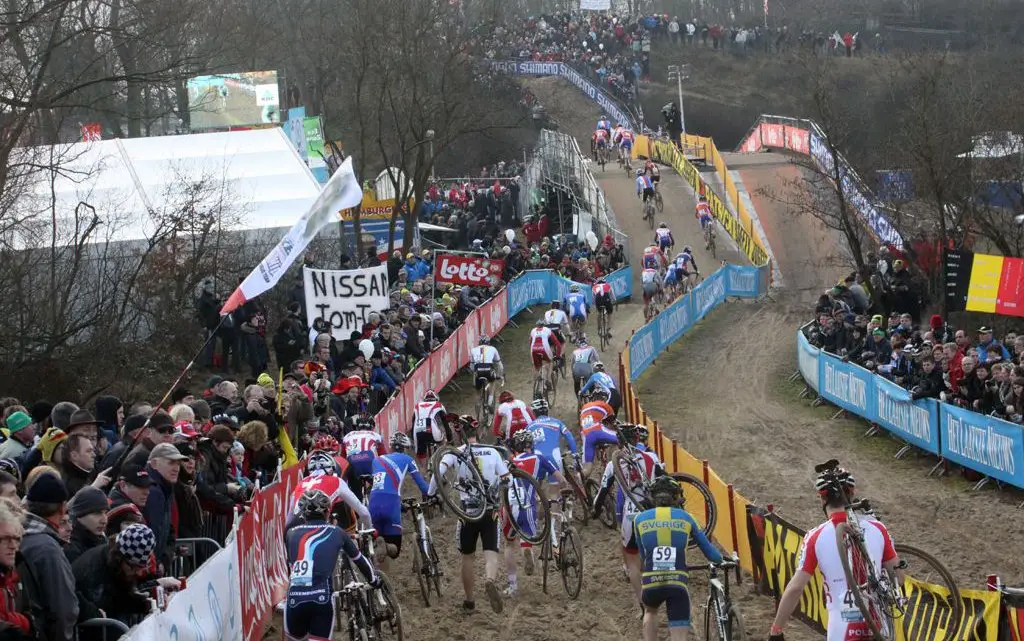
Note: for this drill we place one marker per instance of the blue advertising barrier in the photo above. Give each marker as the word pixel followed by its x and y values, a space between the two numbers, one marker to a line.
pixel 983 443
pixel 537 286
pixel 916 422
pixel 847 386
pixel 669 326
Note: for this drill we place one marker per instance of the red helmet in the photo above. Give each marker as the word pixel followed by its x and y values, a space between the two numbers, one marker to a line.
pixel 326 443
pixel 506 397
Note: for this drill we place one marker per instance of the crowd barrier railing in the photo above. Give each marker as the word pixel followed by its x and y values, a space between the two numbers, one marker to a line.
pixel 985 444
pixel 805 137
pixel 741 231
pixel 231 595
pixel 769 546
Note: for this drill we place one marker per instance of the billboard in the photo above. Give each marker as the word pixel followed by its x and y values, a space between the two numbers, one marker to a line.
pixel 233 100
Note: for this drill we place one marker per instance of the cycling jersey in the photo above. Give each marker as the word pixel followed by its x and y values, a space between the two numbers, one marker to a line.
pixel 555 317
pixel 663 238
pixel 604 125
pixel 653 258
pixel 703 214
pixel 684 261
pixel 543 342
pixel 649 276
pixel 389 472
pixel 820 551
pixel 513 413
pixel 603 289
pixel 428 417
pixel 335 488
pixel 672 274
pixel 653 169
pixel 592 429
pixel 360 447
pixel 577 305
pixel 548 433
pixel 599 379
pixel 583 359
pixel 643 183
pixel 626 139
pixel 486 354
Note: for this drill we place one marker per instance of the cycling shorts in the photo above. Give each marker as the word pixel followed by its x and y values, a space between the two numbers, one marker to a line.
pixel 671 277
pixel 603 301
pixel 676 599
pixel 580 314
pixel 311 619
pixel 592 439
pixel 629 512
pixel 627 145
pixel 649 290
pixel 840 629
pixel 704 220
pixel 526 520
pixel 602 143
pixel 386 513
pixel 484 374
pixel 648 193
pixel 423 441
pixel 486 530
pixel 664 243
pixel 539 358
pixel 362 464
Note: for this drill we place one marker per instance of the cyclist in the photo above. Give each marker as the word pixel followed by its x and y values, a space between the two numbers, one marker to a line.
pixel 322 474
pixel 314 548
pixel 485 361
pixel 644 186
pixel 650 281
pixel 548 433
pixel 604 299
pixel 429 425
pixel 555 318
pixel 597 419
pixel 360 446
pixel 625 142
pixel 544 348
pixel 541 468
pixel 820 551
pixel 493 469
pixel 511 416
pixel 652 170
pixel 653 258
pixel 686 264
pixel 604 124
pixel 672 278
pixel 704 215
pixel 599 141
pixel 661 534
pixel 577 305
pixel 600 379
pixel 389 471
pixel 583 359
pixel 663 238
pixel 616 131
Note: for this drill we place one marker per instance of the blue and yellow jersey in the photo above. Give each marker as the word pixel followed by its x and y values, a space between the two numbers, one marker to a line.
pixel 661 535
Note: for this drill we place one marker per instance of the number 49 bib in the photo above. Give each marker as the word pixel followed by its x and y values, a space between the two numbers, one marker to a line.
pixel 302 573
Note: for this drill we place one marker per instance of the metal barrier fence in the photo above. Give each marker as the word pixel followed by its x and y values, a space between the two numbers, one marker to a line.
pixel 189 554
pixel 558 161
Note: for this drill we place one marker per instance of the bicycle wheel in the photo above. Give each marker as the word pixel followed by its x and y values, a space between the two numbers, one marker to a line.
pixel 570 563
pixel 528 513
pixel 625 468
pixel 862 583
pixel 545 563
pixel 691 486
pixel 650 216
pixel 572 475
pixel 420 570
pixel 435 563
pixel 731 628
pixel 462 488
pixel 659 202
pixel 553 377
pixel 607 515
pixel 927 569
pixel 387 622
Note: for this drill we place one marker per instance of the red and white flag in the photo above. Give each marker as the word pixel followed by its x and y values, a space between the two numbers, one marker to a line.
pixel 342 191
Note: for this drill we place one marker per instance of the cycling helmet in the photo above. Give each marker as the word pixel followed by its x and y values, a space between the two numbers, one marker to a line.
pixel 11 467
pixel 539 407
pixel 642 433
pixel 321 462
pixel 522 441
pixel 326 443
pixel 603 117
pixel 598 366
pixel 574 289
pixel 485 340
pixel 662 224
pixel 830 475
pixel 555 304
pixel 687 250
pixel 703 198
pixel 540 322
pixel 599 393
pixel 639 172
pixel 364 422
pixel 430 395
pixel 582 341
pixel 468 423
pixel 400 442
pixel 665 486
pixel 627 434
pixel 506 397
pixel 314 504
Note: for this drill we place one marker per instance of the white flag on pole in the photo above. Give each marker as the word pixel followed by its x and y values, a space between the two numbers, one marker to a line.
pixel 342 191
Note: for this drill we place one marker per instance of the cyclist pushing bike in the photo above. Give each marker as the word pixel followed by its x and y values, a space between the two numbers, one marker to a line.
pixel 429 425
pixel 820 551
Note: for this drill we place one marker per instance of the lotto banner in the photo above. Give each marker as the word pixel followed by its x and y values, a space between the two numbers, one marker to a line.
pixel 261 553
pixel 984 283
pixel 467 270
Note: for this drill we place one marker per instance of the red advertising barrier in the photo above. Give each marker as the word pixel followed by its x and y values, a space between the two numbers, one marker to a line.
pixel 779 136
pixel 493 316
pixel 415 386
pixel 444 363
pixel 389 419
pixel 261 554
pixel 797 139
pixel 467 270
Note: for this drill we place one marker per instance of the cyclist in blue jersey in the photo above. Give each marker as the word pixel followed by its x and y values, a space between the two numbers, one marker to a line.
pixel 600 379
pixel 313 551
pixel 576 305
pixel 389 471
pixel 686 264
pixel 542 469
pixel 548 433
pixel 662 534
pixel 604 123
pixel 644 186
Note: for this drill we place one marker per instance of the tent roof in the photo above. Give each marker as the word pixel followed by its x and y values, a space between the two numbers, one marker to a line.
pixel 131 183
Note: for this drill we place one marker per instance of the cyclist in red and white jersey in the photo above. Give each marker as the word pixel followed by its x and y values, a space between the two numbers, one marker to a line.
pixel 663 238
pixel 511 416
pixel 820 552
pixel 703 212
pixel 360 446
pixel 429 425
pixel 651 169
pixel 322 474
pixel 653 258
pixel 599 140
pixel 544 347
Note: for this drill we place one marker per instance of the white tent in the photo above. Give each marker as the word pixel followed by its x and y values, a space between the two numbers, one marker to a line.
pixel 996 144
pixel 253 179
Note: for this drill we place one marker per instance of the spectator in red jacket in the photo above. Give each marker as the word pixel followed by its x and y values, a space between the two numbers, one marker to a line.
pixel 532 231
pixel 10 599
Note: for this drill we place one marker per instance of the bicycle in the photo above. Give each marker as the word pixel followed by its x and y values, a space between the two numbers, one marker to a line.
pixel 569 560
pixel 649 213
pixel 593 487
pixel 485 400
pixel 602 157
pixel 425 563
pixel 545 383
pixel 720 615
pixel 659 202
pixel 709 238
pixel 603 330
pixel 573 473
pixel 366 618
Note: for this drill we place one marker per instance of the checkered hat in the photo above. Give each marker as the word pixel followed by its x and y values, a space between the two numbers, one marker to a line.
pixel 136 543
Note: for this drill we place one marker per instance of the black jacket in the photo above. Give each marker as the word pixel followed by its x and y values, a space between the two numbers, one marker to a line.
pixel 74 477
pixel 212 481
pixel 100 586
pixel 158 515
pixel 190 513
pixel 49 582
pixel 82 540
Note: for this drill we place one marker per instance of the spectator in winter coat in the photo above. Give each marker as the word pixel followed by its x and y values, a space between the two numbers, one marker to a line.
pixel 164 467
pixel 107 576
pixel 110 414
pixel 929 383
pixel 258 407
pixel 120 517
pixel 985 341
pixel 413 343
pixel 394 266
pixel 46 572
pixel 129 438
pixel 22 434
pixel 88 510
pixel 76 470
pixel 225 398
pixel 186 499
pixel 14 610
pixel 160 430
pixel 941 331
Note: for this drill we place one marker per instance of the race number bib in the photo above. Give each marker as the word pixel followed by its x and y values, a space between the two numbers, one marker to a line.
pixel 302 573
pixel 587 421
pixel 581 357
pixel 664 558
pixel 538 435
pixel 378 480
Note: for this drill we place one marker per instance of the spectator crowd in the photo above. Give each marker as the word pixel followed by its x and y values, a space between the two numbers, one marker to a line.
pixel 873 319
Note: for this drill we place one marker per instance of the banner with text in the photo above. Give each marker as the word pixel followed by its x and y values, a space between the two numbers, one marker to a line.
pixel 983 443
pixel 807 360
pixel 467 270
pixel 344 298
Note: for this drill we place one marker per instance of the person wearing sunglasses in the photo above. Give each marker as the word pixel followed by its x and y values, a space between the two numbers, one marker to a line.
pixel 160 430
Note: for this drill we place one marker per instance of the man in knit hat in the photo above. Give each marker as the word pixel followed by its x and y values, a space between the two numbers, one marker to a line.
pixel 45 571
pixel 88 509
pixel 107 577
pixel 23 432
